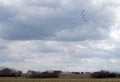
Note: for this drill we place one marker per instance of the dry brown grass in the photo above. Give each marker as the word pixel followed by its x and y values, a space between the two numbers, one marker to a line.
pixel 56 80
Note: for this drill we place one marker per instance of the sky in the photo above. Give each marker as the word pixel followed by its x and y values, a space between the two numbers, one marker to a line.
pixel 51 35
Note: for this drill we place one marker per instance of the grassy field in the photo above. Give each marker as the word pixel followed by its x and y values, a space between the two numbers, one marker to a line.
pixel 56 80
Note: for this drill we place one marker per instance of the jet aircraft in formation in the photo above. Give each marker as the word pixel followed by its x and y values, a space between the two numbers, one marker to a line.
pixel 83 15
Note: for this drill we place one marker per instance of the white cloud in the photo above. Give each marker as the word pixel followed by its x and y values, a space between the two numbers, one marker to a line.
pixel 115 32
pixel 10 2
pixel 43 55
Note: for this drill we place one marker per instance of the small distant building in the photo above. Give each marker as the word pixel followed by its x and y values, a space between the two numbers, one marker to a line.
pixel 57 72
pixel 87 74
pixel 76 73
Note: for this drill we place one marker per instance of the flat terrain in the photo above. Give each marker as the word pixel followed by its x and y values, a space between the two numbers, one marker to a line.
pixel 57 80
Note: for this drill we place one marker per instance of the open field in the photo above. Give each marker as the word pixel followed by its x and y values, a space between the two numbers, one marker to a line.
pixel 56 80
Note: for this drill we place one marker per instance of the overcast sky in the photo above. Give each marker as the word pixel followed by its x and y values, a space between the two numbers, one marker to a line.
pixel 51 34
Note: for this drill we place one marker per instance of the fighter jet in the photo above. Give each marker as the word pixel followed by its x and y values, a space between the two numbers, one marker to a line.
pixel 83 15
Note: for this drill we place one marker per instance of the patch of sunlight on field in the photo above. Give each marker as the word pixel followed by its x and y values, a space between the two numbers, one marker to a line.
pixel 56 80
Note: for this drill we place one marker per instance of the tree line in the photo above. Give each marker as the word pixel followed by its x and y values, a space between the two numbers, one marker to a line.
pixel 105 74
pixel 8 72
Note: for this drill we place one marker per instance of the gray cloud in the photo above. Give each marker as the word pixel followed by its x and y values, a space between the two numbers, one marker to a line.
pixel 39 20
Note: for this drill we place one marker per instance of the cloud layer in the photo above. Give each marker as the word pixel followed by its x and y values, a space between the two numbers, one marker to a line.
pixel 50 34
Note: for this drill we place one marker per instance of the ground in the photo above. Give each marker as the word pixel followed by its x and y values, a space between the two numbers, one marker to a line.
pixel 57 80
